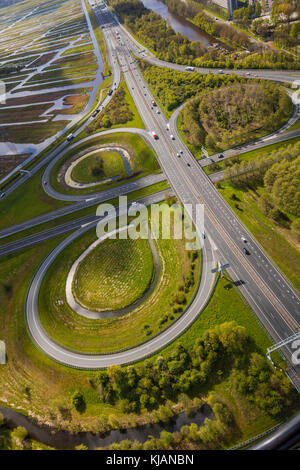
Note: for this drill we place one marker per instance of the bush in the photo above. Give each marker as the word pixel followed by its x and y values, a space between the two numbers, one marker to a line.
pixel 78 401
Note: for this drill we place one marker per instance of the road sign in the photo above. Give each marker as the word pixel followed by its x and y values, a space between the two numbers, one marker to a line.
pixel 220 268
pixel 205 152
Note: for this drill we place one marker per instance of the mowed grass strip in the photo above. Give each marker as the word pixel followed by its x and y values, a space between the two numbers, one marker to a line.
pixel 115 274
pixel 86 170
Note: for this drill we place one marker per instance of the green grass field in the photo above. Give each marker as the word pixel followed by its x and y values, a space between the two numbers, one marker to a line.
pixel 143 161
pixel 106 280
pixel 113 165
pixel 26 202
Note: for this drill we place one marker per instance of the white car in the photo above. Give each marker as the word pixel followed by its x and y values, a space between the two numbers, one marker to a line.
pixel 172 137
pixel 244 239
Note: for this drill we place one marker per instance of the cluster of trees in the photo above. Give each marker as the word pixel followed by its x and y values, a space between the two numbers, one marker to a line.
pixel 190 125
pixel 173 88
pixel 279 27
pixel 260 59
pixel 152 29
pixel 279 172
pixel 233 113
pixel 117 112
pixel 148 386
pixel 252 172
pixel 268 389
pixel 210 434
pixel 282 181
pixel 283 10
pixel 244 15
pixel 98 168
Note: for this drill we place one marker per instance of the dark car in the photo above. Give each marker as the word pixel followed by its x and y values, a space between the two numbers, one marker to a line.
pixel 221 155
pixel 246 251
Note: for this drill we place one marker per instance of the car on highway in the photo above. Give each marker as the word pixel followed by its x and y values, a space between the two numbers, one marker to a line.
pixel 221 72
pixel 110 92
pixel 70 137
pixel 95 112
pixel 190 69
pixel 157 111
pixel 178 154
pixel 172 137
pixel 188 164
pixel 2 195
pixel 221 155
pixel 154 135
pixel 244 239
pixel 246 251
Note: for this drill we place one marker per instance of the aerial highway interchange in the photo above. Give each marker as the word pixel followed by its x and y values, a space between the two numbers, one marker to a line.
pixel 273 299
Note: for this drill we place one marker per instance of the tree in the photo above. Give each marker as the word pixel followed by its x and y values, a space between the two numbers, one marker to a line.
pixel 18 437
pixel 78 401
pixel 295 227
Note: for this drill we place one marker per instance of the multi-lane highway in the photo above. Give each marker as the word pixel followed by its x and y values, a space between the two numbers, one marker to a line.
pixel 273 299
pixel 271 296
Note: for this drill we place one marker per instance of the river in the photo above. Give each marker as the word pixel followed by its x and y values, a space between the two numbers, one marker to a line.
pixel 64 440
pixel 178 23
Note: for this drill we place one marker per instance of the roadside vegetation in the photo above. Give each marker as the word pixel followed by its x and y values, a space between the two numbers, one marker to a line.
pixel 237 157
pixel 235 114
pixel 120 112
pixel 172 88
pixel 264 192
